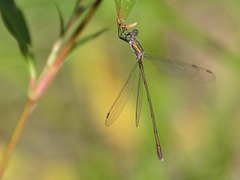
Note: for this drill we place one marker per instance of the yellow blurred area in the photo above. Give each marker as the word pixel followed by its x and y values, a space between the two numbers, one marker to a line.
pixel 66 137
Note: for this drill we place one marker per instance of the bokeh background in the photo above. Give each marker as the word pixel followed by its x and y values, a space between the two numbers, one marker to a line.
pixel 65 137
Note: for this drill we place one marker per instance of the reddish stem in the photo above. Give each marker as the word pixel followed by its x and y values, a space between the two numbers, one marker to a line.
pixel 15 136
pixel 39 88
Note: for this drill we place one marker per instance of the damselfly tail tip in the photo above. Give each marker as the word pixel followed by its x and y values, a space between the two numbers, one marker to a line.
pixel 161 159
pixel 160 156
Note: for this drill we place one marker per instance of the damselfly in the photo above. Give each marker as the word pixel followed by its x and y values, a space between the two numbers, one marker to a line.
pixel 172 67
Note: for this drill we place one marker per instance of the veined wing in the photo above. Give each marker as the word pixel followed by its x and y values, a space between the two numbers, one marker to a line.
pixel 139 98
pixel 182 70
pixel 121 99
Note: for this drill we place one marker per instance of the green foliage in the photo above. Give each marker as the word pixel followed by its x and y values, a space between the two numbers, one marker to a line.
pixel 86 39
pixel 61 20
pixel 16 24
pixel 124 8
pixel 198 126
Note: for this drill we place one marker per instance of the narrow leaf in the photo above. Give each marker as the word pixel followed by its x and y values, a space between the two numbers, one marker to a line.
pixel 61 20
pixel 86 39
pixel 16 24
pixel 124 7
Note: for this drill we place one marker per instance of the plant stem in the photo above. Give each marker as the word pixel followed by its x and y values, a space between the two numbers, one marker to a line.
pixel 38 88
pixel 15 136
pixel 49 73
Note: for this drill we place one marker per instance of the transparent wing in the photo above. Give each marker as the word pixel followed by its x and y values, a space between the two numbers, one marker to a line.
pixel 182 70
pixel 139 98
pixel 121 99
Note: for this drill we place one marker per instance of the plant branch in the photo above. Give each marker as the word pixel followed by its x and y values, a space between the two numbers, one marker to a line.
pixel 49 73
pixel 36 89
pixel 15 136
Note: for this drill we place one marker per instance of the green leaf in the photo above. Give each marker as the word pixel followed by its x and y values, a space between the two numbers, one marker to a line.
pixel 124 8
pixel 61 20
pixel 16 24
pixel 86 39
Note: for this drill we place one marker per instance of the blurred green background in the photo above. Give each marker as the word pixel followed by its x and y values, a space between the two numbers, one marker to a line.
pixel 65 137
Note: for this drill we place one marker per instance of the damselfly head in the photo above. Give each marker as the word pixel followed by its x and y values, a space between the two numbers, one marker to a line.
pixel 128 37
pixel 135 32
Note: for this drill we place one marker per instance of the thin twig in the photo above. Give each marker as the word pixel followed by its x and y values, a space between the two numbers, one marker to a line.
pixel 40 87
pixel 15 136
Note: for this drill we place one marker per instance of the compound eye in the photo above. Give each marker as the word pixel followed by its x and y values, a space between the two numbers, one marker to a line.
pixel 128 37
pixel 135 32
